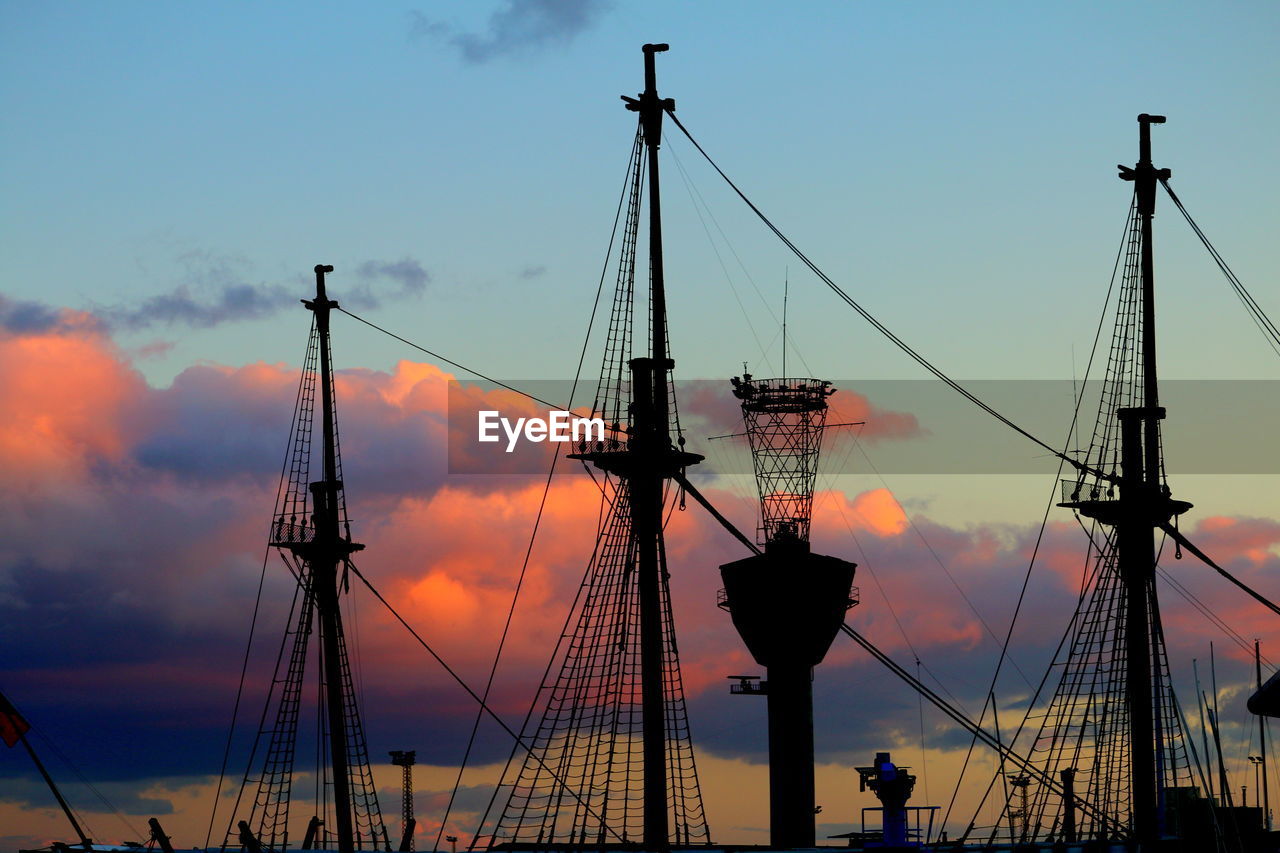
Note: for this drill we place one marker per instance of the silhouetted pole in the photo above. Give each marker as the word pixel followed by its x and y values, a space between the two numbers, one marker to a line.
pixel 1135 544
pixel 1068 775
pixel 406 759
pixel 791 777
pixel 159 837
pixel 1262 743
pixel 647 462
pixel 1146 177
pixel 652 440
pixel 329 550
pixel 1143 506
pixel 66 809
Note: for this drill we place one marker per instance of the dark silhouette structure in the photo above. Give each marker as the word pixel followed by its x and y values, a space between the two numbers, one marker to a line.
pixel 1112 731
pixel 1143 503
pixel 787 603
pixel 408 823
pixel 618 685
pixel 313 533
pixel 13 730
pixel 892 786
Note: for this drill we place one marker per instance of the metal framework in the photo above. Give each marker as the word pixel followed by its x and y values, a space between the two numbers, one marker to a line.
pixel 785 419
pixel 406 760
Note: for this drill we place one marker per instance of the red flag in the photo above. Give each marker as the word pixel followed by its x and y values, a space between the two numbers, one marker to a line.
pixel 12 726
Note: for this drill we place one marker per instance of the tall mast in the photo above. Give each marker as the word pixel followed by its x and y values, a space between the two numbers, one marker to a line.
pixel 328 550
pixel 1144 504
pixel 651 108
pixel 622 648
pixel 1146 177
pixel 651 444
pixel 1262 742
pixel 311 530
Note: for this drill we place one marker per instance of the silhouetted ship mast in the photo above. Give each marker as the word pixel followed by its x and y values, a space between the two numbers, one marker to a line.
pixel 618 679
pixel 312 532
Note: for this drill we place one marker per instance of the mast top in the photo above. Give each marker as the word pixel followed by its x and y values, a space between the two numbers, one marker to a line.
pixel 321 300
pixel 1144 137
pixel 1146 174
pixel 648 104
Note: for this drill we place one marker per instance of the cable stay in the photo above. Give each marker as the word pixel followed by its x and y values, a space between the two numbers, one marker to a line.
pixel 844 296
pixel 537 522
pixel 1259 317
pixel 484 706
pixel 450 362
pixel 1182 540
pixel 981 734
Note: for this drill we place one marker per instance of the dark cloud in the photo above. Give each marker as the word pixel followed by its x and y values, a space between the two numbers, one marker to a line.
pixel 407 275
pixel 34 793
pixel 183 307
pixel 533 271
pixel 23 317
pixel 154 349
pixel 217 290
pixel 516 27
pixel 468 799
pixel 131 542
pixel 413 279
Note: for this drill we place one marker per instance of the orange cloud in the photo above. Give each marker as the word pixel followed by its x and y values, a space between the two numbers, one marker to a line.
pixel 149 506
pixel 66 397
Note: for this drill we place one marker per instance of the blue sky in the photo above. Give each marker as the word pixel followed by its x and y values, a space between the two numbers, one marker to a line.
pixel 952 165
pixel 178 169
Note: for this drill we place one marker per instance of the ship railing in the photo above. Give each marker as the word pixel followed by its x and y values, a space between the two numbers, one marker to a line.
pixel 1075 491
pixel 285 532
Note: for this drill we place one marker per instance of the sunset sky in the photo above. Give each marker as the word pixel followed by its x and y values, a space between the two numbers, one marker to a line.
pixel 170 174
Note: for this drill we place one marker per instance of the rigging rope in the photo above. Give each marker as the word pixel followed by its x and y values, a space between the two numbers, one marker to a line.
pixel 463 684
pixel 235 710
pixel 1186 543
pixel 447 361
pixel 36 730
pixel 982 734
pixel 257 604
pixel 706 504
pixel 537 521
pixel 1259 317
pixel 866 315
pixel 564 633
pixel 1071 430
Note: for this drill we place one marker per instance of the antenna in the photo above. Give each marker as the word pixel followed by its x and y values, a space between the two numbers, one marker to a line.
pixel 786 281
